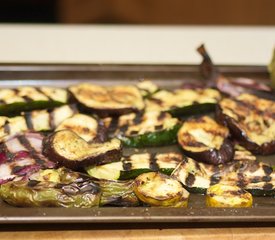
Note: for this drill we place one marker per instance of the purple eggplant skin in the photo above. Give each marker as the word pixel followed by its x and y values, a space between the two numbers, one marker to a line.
pixel 264 149
pixel 214 156
pixel 78 165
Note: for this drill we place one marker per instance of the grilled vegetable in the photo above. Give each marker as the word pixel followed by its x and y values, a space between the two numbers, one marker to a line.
pixel 20 156
pixel 147 88
pixel 148 129
pixel 220 195
pixel 118 193
pixel 39 120
pixel 182 102
pixel 157 189
pixel 206 141
pixel 14 101
pixel 136 164
pixel 256 177
pixel 106 101
pixel 68 149
pixel 251 120
pixel 69 190
pixel 87 127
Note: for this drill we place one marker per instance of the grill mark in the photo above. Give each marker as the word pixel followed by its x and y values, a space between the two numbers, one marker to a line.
pixel 214 179
pixel 158 127
pixel 161 116
pixel 27 99
pixel 266 178
pixel 113 125
pixel 153 162
pixel 156 100
pixel 138 118
pixel 41 92
pixel 6 127
pixel 190 180
pixel 51 118
pixel 4 150
pixel 127 164
pixel 267 170
pixel 268 186
pixel 24 141
pixel 28 119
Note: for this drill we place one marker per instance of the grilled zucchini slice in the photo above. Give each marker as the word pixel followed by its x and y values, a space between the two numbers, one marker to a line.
pixel 182 102
pixel 206 141
pixel 159 190
pixel 38 120
pixel 147 129
pixel 131 166
pixel 68 149
pixel 107 101
pixel 227 196
pixel 15 101
pixel 87 127
pixel 251 121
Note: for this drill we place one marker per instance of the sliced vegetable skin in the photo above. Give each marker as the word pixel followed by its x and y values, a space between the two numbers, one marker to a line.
pixel 132 166
pixel 206 141
pixel 225 196
pixel 107 101
pixel 14 101
pixel 68 149
pixel 251 121
pixel 147 129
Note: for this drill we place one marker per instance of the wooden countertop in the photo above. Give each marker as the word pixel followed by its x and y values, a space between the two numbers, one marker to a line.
pixel 177 234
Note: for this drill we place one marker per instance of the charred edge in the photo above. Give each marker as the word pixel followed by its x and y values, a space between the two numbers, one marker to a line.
pixel 101 134
pixel 190 180
pixel 138 118
pixel 28 119
pixel 161 116
pixel 267 170
pixel 126 164
pixel 51 118
pixel 6 127
pixel 27 99
pixel 24 141
pixel 153 162
pixel 113 125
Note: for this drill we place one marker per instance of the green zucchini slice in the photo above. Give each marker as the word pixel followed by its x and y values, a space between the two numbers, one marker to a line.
pixel 183 102
pixel 22 99
pixel 159 190
pixel 131 166
pixel 38 120
pixel 147 129
pixel 107 101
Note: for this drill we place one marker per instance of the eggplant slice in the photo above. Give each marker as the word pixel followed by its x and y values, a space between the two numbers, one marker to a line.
pixel 107 101
pixel 182 102
pixel 251 121
pixel 147 129
pixel 38 120
pixel 68 149
pixel 206 141
pixel 87 127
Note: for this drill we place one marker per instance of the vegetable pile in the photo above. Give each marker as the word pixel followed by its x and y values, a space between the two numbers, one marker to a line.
pixel 91 146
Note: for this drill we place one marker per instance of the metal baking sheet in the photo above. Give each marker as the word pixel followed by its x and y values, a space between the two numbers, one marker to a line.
pixel 263 209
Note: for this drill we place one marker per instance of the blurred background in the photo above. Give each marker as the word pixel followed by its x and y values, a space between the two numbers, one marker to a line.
pixel 194 12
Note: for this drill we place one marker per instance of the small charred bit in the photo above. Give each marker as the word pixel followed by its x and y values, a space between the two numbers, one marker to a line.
pixel 68 149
